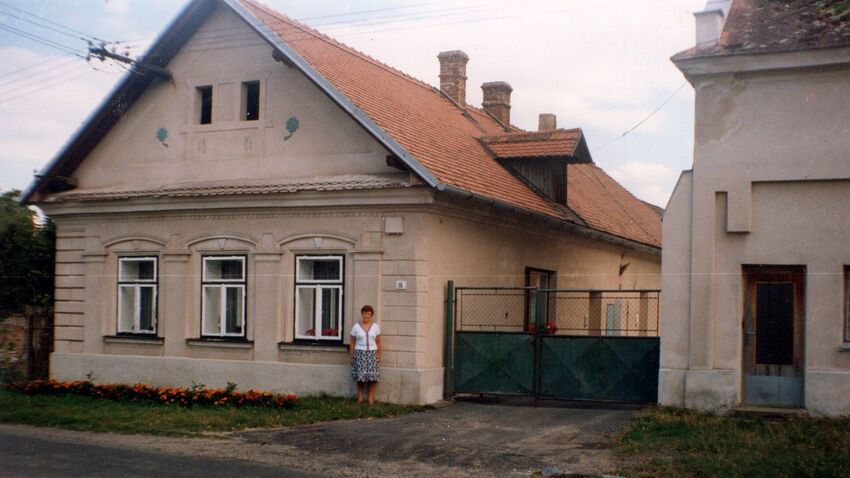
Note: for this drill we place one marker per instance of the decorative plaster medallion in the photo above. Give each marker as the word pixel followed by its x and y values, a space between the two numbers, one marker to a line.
pixel 317 242
pixel 291 126
pixel 162 135
pixel 222 243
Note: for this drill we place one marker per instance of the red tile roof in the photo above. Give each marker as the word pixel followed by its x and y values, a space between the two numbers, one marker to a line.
pixel 536 144
pixel 445 138
pixel 607 206
pixel 767 26
pixel 418 117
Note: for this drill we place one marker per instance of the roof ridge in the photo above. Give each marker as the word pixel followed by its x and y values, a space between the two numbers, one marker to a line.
pixel 338 44
pixel 619 205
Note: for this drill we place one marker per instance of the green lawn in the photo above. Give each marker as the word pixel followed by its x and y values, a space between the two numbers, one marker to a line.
pixel 676 443
pixel 86 414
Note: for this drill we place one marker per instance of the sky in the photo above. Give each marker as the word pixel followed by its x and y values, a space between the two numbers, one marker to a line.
pixel 600 65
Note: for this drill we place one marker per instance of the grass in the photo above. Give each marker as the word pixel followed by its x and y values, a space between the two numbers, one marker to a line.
pixel 678 443
pixel 87 414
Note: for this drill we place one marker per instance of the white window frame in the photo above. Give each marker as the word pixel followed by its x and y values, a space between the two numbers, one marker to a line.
pixel 319 285
pixel 137 285
pixel 224 285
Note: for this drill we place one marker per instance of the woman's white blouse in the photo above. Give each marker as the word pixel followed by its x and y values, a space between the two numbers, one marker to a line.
pixel 361 340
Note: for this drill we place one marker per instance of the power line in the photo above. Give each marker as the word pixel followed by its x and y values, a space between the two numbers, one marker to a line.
pixel 44 26
pixel 639 123
pixel 86 71
pixel 40 70
pixel 42 40
pixel 44 62
pixel 51 22
pixel 55 74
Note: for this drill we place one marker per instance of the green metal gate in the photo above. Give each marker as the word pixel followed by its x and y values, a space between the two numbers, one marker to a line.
pixel 553 343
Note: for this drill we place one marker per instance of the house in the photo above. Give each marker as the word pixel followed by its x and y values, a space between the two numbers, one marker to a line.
pixel 755 262
pixel 228 209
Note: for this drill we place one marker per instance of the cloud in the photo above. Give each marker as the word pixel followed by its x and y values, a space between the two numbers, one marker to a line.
pixel 650 181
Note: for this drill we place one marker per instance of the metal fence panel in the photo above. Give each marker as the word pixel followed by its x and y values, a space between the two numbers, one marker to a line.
pixel 487 362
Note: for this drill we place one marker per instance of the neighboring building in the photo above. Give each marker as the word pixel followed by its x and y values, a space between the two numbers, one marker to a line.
pixel 225 220
pixel 756 256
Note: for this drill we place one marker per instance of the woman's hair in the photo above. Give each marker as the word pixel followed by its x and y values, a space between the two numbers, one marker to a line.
pixel 367 308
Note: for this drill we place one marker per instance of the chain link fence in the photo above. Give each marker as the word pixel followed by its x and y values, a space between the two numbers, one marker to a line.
pixel 562 312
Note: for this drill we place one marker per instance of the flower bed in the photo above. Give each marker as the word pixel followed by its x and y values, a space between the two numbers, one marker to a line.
pixel 197 394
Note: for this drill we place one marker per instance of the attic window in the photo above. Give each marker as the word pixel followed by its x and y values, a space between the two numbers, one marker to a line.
pixel 251 100
pixel 204 100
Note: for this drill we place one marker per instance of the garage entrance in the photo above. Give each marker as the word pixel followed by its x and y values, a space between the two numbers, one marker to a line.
pixel 567 344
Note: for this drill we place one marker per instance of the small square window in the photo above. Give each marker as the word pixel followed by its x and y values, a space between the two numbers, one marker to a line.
pixel 251 100
pixel 204 101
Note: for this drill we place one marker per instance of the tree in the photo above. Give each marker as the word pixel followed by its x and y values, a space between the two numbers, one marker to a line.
pixel 26 256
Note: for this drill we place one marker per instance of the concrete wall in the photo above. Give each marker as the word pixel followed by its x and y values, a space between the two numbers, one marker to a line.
pixel 770 185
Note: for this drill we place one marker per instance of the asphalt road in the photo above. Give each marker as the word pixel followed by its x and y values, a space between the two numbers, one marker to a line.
pixel 26 456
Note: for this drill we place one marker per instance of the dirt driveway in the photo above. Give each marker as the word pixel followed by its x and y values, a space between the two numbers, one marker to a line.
pixel 461 439
pixel 458 439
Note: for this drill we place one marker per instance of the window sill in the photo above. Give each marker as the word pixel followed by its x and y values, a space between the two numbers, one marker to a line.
pixel 223 343
pixel 133 339
pixel 845 347
pixel 317 347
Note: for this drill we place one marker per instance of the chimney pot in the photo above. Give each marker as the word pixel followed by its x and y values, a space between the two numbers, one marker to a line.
pixel 497 100
pixel 547 122
pixel 453 75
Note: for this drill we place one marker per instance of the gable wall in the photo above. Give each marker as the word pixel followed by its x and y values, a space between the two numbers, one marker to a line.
pixel 770 184
pixel 224 53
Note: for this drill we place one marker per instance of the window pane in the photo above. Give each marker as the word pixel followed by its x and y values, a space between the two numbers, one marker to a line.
pixel 137 270
pixel 212 310
pixel 306 313
pixel 775 324
pixel 251 101
pixel 127 307
pixel 319 269
pixel 224 269
pixel 205 104
pixel 330 313
pixel 233 310
pixel 146 308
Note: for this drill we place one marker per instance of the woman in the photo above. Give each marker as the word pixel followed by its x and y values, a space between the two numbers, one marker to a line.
pixel 364 350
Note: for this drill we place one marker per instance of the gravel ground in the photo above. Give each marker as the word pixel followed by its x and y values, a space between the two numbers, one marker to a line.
pixel 459 439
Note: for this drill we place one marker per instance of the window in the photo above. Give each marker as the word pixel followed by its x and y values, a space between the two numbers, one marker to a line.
pixel 137 295
pixel 846 304
pixel 318 297
pixel 223 300
pixel 204 100
pixel 541 279
pixel 251 100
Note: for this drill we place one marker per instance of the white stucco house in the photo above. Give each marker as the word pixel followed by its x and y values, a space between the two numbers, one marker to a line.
pixel 756 263
pixel 228 209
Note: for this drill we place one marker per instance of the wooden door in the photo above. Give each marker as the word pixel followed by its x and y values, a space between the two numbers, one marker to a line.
pixel 773 335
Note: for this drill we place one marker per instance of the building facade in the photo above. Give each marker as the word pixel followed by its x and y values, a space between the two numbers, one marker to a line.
pixel 223 218
pixel 755 263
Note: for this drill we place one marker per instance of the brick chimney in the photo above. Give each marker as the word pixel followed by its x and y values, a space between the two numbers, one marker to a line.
pixel 547 122
pixel 497 100
pixel 453 75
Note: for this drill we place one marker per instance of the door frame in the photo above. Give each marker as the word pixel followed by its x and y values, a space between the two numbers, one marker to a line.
pixel 752 275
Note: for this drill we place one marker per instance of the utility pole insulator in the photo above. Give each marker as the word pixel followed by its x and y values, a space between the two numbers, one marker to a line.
pixel 102 53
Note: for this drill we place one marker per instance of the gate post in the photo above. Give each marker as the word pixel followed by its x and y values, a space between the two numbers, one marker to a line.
pixel 448 365
pixel 539 324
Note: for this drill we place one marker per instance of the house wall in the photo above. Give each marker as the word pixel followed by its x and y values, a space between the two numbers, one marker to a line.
pixel 475 246
pixel 224 53
pixel 769 185
pixel 86 307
